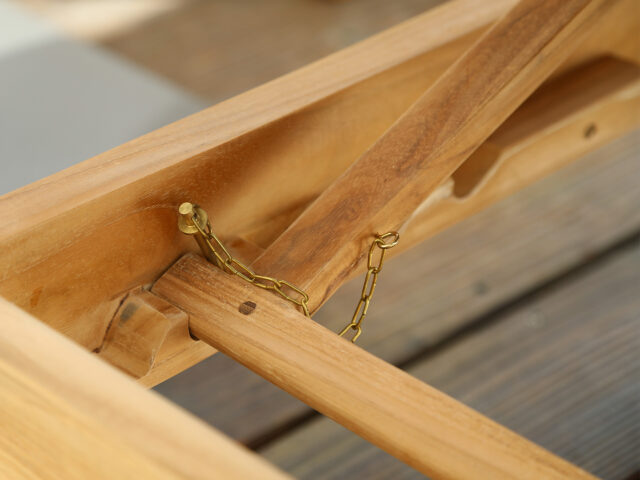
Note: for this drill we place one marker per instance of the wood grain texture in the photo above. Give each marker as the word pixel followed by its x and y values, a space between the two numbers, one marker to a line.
pixel 561 369
pixel 412 421
pixel 103 227
pixel 545 133
pixel 436 289
pixel 382 189
pixel 564 117
pixel 548 131
pixel 147 334
pixel 563 120
pixel 107 225
pixel 67 414
pixel 224 58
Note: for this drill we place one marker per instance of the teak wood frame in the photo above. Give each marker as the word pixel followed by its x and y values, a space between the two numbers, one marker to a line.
pixel 80 248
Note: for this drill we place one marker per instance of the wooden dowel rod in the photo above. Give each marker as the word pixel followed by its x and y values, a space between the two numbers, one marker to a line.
pixel 416 423
pixel 383 188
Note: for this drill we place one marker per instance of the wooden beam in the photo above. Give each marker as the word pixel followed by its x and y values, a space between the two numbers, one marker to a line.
pixel 414 422
pixel 67 414
pixel 566 118
pixel 74 244
pixel 384 187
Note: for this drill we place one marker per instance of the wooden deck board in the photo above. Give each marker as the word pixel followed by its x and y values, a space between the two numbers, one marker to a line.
pixel 428 294
pixel 234 46
pixel 560 368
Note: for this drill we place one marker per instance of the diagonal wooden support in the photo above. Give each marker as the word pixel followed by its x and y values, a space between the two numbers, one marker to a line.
pixel 419 425
pixel 383 188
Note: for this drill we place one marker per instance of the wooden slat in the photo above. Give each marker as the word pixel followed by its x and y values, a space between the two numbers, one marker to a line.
pixel 561 368
pixel 66 414
pixel 384 187
pixel 439 287
pixel 416 423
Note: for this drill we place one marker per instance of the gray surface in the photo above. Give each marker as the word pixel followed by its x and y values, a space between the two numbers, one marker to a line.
pixel 62 102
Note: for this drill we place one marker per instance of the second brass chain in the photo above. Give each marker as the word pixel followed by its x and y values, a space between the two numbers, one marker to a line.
pixel 370 281
pixel 194 220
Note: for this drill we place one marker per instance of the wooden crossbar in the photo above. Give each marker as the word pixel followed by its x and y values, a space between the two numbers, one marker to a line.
pixel 419 425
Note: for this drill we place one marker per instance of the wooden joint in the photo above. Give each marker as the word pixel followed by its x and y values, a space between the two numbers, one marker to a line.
pixel 149 339
pixel 419 425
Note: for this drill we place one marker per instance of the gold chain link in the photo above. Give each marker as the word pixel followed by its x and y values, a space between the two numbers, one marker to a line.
pixel 193 220
pixel 370 280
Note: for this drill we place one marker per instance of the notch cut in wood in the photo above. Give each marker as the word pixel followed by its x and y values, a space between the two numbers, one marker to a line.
pixel 381 190
pixel 419 425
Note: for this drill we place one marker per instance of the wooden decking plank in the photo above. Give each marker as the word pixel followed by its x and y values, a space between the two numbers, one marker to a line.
pixel 427 294
pixel 226 60
pixel 560 368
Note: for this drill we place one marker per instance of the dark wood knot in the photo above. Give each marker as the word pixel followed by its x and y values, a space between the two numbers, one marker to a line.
pixel 247 308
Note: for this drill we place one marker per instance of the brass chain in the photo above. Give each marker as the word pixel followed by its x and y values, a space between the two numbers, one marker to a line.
pixel 370 280
pixel 193 220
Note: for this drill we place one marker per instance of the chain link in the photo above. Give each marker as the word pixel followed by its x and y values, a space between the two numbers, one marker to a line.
pixel 383 243
pixel 193 220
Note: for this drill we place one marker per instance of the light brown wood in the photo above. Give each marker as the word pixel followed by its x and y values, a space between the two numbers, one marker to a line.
pixel 428 295
pixel 548 131
pixel 575 113
pixel 385 186
pixel 106 226
pixel 567 115
pixel 147 334
pixel 414 422
pixel 67 414
pixel 101 304
pixel 545 133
